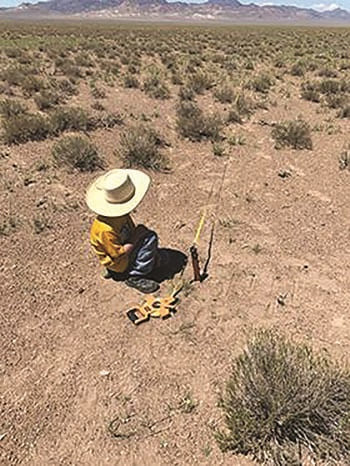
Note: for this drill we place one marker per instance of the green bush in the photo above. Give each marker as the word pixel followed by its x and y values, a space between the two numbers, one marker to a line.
pixel 25 127
pixel 77 152
pixel 294 133
pixel 193 124
pixel 140 147
pixel 284 404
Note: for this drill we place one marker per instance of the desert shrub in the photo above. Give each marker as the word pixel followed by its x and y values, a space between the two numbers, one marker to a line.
pixel 84 59
pixel 328 73
pixel 310 91
pixel 186 93
pixel 193 124
pixel 8 226
pixel 13 52
pixel 242 109
pixel 140 147
pixel 31 85
pixel 294 133
pixel 47 99
pixel 67 88
pixel 130 81
pixel 333 86
pixel 11 107
pixel 336 100
pixel 105 120
pixel 25 127
pixel 283 403
pixel 77 152
pixel 69 119
pixel 154 85
pixel 200 82
pixel 344 112
pixel 98 92
pixel 13 75
pixel 298 69
pixel 69 69
pixel 224 93
pixel 261 83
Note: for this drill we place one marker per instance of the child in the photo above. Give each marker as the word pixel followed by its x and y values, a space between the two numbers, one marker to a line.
pixel 125 250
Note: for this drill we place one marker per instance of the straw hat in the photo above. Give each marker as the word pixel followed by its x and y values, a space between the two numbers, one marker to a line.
pixel 117 192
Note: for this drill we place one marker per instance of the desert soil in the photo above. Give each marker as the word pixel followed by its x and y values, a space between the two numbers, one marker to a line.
pixel 71 360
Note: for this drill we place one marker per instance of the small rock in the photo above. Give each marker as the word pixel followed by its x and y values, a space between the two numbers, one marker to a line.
pixel 104 373
pixel 284 174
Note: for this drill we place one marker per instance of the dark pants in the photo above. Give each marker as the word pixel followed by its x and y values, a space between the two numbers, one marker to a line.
pixel 143 258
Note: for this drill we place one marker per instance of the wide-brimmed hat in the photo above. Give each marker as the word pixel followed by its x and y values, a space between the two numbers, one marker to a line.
pixel 117 192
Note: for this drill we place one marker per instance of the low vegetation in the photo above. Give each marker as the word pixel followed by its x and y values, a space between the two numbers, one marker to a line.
pixel 77 152
pixel 295 134
pixel 194 124
pixel 283 404
pixel 140 147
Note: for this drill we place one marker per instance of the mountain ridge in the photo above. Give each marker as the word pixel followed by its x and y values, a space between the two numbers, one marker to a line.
pixel 220 10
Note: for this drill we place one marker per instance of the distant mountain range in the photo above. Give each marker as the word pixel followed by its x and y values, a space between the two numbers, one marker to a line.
pixel 211 10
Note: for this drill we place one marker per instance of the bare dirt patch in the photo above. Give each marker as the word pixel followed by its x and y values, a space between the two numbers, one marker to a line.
pixel 71 360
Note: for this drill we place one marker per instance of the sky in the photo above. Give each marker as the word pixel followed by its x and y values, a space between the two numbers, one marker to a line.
pixel 321 5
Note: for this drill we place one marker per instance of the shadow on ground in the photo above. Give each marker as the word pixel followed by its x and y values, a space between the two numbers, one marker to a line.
pixel 176 262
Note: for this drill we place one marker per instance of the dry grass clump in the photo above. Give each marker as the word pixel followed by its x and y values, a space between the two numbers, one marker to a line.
pixel 200 82
pixel 283 404
pixel 130 81
pixel 77 152
pixel 261 83
pixel 25 127
pixel 224 93
pixel 140 146
pixel 69 119
pixel 242 109
pixel 155 86
pixel 295 134
pixel 47 99
pixel 311 91
pixel 193 124
pixel 11 107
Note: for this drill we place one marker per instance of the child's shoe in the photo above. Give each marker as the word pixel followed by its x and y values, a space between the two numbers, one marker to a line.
pixel 144 285
pixel 106 274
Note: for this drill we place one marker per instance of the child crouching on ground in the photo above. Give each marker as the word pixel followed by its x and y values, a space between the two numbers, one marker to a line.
pixel 125 251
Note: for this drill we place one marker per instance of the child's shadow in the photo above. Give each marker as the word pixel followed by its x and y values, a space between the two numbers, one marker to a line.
pixel 176 262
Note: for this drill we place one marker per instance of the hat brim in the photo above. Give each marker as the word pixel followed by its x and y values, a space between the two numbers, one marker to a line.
pixel 96 201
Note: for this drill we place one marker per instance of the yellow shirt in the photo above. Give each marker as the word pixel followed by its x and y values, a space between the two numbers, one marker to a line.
pixel 107 236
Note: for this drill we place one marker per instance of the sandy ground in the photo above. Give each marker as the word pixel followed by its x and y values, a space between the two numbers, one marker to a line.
pixel 71 360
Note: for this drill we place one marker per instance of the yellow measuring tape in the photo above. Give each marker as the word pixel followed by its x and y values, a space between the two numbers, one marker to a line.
pixel 200 227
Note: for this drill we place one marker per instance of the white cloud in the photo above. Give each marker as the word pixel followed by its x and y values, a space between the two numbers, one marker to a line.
pixel 325 6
